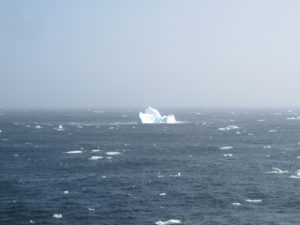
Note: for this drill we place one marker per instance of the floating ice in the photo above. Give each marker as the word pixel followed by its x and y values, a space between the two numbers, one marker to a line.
pixel 74 152
pixel 58 216
pixel 162 194
pixel 152 116
pixel 168 222
pixel 112 153
pixel 278 171
pixel 253 200
pixel 230 127
pixel 66 192
pixel 96 157
pixel 38 127
pixel 225 147
pixel 59 128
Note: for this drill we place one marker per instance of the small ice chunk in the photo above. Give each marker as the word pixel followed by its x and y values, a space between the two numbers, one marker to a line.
pixel 96 157
pixel 168 222
pixel 38 127
pixel 236 203
pixel 225 147
pixel 278 171
pixel 162 194
pixel 58 216
pixel 112 153
pixel 253 200
pixel 66 192
pixel 74 152
pixel 60 128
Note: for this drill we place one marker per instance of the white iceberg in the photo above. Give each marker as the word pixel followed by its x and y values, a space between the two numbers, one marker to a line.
pixel 152 116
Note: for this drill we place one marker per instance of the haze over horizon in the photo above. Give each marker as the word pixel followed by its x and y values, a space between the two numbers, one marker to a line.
pixel 57 54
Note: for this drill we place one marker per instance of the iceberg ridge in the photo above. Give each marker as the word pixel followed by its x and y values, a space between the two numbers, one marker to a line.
pixel 153 116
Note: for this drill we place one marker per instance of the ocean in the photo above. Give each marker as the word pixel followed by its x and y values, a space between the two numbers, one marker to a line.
pixel 101 167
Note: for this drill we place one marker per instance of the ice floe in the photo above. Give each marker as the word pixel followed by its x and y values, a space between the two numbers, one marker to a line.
pixel 112 153
pixel 278 171
pixel 153 116
pixel 58 216
pixel 226 147
pixel 95 157
pixel 230 127
pixel 74 152
pixel 253 200
pixel 168 222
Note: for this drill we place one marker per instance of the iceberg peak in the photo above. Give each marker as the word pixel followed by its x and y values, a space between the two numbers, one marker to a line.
pixel 153 116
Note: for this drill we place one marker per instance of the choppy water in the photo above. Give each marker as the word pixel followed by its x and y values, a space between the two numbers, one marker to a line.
pixel 94 167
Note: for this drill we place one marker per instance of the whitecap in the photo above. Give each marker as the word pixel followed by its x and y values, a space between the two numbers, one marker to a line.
pixel 74 152
pixel 230 127
pixel 58 216
pixel 225 147
pixel 168 222
pixel 96 157
pixel 236 203
pixel 253 200
pixel 96 150
pixel 92 209
pixel 112 153
pixel 260 120
pixel 66 192
pixel 297 176
pixel 228 155
pixel 162 194
pixel 268 146
pixel 293 118
pixel 272 131
pixel 38 127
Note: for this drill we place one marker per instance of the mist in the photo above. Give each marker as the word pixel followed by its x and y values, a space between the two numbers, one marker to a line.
pixel 162 53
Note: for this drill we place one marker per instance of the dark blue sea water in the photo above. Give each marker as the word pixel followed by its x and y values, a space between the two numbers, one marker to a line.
pixel 218 167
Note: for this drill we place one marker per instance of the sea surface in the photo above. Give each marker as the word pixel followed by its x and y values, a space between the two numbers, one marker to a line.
pixel 100 167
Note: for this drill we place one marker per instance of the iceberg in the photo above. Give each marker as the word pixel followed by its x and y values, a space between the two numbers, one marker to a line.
pixel 152 116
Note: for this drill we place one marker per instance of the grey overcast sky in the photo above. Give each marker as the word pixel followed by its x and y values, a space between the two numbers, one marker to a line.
pixel 170 53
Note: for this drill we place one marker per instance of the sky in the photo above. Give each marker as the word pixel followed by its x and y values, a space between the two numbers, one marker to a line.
pixel 163 53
